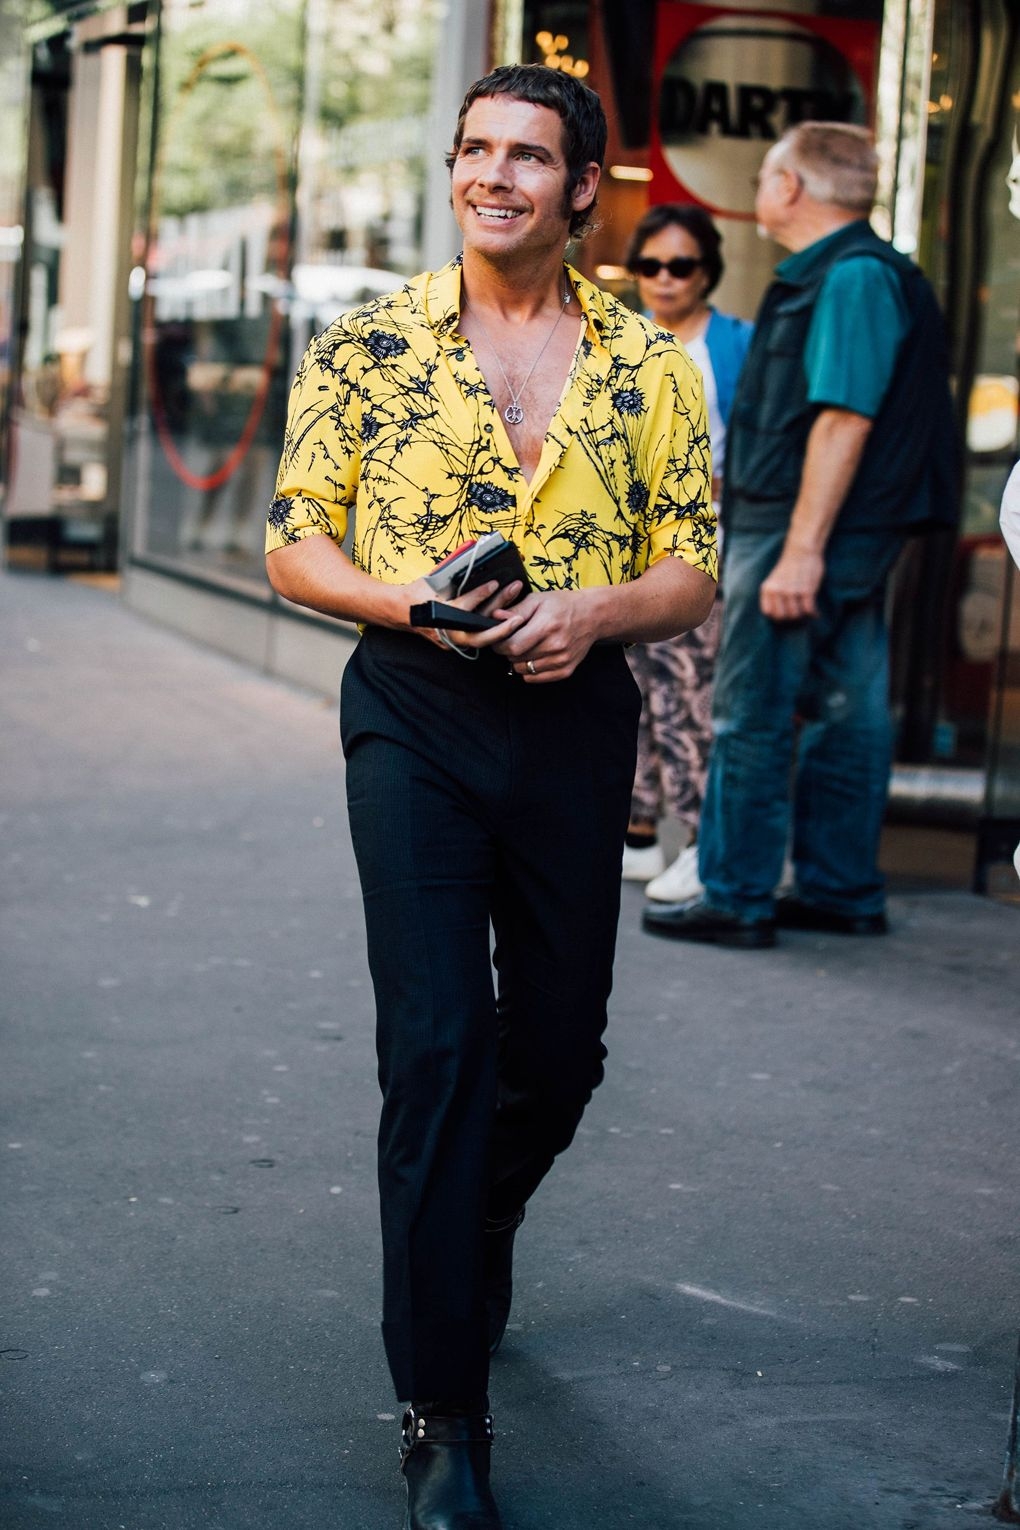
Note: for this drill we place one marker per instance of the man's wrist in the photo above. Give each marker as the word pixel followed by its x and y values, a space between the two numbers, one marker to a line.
pixel 391 606
pixel 597 610
pixel 804 544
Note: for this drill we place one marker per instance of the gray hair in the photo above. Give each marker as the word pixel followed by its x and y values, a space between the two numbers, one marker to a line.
pixel 836 162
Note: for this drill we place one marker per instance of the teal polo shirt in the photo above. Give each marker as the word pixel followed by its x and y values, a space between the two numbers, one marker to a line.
pixel 857 328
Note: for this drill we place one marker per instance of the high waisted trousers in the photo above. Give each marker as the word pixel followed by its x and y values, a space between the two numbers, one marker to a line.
pixel 479 802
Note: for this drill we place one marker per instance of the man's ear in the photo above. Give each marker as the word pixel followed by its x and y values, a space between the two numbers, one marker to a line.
pixel 793 183
pixel 583 194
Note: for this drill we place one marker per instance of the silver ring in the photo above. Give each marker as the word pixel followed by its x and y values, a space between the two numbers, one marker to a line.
pixel 531 667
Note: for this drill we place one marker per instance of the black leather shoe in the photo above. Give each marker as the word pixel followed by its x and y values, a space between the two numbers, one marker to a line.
pixel 700 921
pixel 445 1462
pixel 499 1279
pixel 794 914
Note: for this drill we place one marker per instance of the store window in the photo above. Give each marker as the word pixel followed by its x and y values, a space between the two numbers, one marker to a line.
pixel 969 242
pixel 285 184
pixel 59 407
pixel 14 87
pixel 72 155
pixel 694 95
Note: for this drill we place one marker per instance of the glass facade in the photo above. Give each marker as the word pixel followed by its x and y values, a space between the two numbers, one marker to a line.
pixel 969 242
pixel 14 88
pixel 954 203
pixel 284 184
pixel 694 95
pixel 190 188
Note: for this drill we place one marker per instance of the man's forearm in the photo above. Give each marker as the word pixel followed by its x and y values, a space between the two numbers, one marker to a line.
pixel 318 574
pixel 669 598
pixel 834 450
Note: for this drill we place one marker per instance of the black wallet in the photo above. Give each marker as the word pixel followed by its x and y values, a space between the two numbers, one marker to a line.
pixel 433 613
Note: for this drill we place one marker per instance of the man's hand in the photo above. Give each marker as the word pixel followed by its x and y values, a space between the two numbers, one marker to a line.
pixel 557 631
pixel 486 597
pixel 833 454
pixel 559 627
pixel 788 594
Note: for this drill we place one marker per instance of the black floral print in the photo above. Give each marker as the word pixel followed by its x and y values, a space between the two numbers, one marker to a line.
pixel 489 497
pixel 391 424
pixel 383 346
pixel 637 498
pixel 629 401
pixel 279 514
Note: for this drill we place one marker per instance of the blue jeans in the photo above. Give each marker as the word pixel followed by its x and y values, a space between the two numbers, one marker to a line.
pixel 831 674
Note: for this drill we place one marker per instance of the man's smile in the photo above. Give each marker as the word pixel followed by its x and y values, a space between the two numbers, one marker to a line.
pixel 497 214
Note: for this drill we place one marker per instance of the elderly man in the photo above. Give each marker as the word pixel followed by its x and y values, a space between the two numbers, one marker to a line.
pixel 841 443
pixel 501 393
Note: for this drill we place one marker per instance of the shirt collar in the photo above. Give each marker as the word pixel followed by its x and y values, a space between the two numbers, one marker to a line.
pixel 798 268
pixel 442 301
pixel 442 298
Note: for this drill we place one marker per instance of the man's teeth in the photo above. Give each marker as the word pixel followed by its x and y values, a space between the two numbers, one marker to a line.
pixel 503 213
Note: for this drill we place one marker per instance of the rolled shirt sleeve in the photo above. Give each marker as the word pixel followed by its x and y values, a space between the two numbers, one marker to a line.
pixel 682 519
pixel 317 482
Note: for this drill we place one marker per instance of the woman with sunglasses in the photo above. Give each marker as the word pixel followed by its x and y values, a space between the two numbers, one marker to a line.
pixel 675 259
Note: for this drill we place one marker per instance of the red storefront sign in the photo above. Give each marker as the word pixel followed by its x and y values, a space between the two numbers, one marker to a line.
pixel 727 83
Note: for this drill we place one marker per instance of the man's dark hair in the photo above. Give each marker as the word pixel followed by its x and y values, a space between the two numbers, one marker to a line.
pixel 697 223
pixel 579 108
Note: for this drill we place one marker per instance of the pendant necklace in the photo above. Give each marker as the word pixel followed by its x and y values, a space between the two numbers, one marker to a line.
pixel 513 413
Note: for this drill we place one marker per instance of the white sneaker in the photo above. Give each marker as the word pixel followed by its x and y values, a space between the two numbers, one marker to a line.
pixel 680 882
pixel 643 864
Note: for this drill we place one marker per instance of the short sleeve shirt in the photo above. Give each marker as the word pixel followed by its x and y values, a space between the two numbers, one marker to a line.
pixel 857 328
pixel 390 419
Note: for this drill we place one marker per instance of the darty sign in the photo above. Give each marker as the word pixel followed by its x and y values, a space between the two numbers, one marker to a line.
pixel 729 82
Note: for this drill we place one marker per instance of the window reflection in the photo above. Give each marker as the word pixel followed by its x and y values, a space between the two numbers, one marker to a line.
pixel 250 250
pixel 969 246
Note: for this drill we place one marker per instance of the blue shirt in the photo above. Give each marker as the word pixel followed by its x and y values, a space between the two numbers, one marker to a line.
pixel 856 332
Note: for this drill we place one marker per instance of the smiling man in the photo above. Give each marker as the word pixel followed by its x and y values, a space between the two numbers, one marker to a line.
pixel 489 773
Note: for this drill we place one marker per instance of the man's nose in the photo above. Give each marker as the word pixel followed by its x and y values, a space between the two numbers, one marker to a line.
pixel 496 171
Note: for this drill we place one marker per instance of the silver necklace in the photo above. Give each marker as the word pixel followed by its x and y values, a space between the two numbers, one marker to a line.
pixel 513 413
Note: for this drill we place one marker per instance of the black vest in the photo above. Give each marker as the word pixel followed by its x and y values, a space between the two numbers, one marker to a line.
pixel 908 479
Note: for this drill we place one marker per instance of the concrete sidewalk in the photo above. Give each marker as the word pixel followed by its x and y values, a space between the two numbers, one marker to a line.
pixel 774 1285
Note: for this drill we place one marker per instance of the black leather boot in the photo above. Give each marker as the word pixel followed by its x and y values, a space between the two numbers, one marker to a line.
pixel 499 1278
pixel 445 1462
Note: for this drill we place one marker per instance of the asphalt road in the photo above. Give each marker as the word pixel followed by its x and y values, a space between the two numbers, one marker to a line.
pixel 773 1286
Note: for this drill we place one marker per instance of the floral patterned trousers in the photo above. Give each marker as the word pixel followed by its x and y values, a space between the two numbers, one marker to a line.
pixel 675 733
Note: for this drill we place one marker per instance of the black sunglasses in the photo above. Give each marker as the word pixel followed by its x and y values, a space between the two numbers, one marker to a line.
pixel 681 267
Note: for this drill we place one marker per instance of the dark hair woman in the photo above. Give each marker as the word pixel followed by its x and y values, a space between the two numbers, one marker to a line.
pixel 675 258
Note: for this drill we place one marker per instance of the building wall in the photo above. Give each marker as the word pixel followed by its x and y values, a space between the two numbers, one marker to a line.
pixel 328 188
pixel 289 163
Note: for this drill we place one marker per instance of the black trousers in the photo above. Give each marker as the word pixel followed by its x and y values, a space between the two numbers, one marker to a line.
pixel 476 801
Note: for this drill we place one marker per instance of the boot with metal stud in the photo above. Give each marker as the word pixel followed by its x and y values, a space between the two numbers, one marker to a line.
pixel 445 1461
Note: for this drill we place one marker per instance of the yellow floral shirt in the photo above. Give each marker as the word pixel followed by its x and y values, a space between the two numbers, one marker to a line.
pixel 390 416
